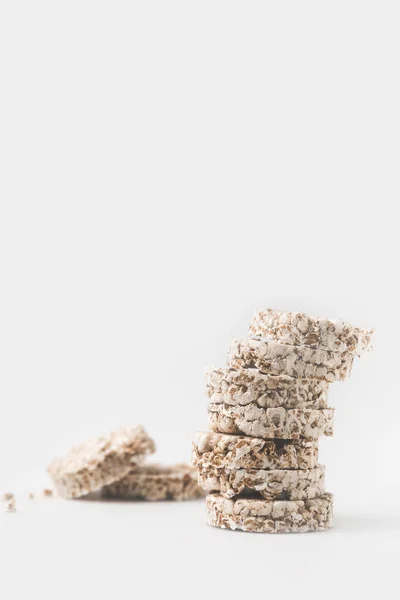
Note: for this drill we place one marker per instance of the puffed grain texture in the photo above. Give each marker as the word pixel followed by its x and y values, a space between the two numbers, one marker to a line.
pixel 244 386
pixel 271 484
pixel 264 516
pixel 296 361
pixel 269 423
pixel 221 450
pixel 299 329
pixel 156 482
pixel 100 461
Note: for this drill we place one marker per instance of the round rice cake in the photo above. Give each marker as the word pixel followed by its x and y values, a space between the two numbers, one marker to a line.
pixel 271 484
pixel 220 450
pixel 270 423
pixel 157 482
pixel 299 329
pixel 270 516
pixel 296 361
pixel 100 461
pixel 245 386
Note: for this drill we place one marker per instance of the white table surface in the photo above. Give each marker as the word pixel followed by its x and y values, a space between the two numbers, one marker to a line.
pixel 53 548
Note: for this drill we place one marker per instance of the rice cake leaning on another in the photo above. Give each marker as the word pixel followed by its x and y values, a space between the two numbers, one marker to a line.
pixel 100 461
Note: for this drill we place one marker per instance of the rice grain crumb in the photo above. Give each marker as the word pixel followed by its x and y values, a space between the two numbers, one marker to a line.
pixel 11 505
pixel 7 496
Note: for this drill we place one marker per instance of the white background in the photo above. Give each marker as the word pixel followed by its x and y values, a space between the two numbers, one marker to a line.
pixel 166 168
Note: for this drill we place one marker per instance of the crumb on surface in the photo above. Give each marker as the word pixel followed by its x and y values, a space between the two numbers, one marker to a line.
pixel 47 492
pixel 7 496
pixel 10 506
pixel 31 496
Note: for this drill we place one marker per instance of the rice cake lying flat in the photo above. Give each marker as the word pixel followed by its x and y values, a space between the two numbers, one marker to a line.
pixel 299 329
pixel 274 516
pixel 296 361
pixel 244 386
pixel 156 482
pixel 221 450
pixel 272 423
pixel 100 461
pixel 271 484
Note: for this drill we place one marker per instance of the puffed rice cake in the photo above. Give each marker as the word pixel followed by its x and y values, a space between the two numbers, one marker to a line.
pixel 274 516
pixel 221 450
pixel 244 386
pixel 270 423
pixel 299 329
pixel 100 461
pixel 157 482
pixel 296 361
pixel 271 484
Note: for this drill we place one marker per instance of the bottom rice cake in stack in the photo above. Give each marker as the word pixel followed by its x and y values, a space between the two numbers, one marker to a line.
pixel 276 516
pixel 268 409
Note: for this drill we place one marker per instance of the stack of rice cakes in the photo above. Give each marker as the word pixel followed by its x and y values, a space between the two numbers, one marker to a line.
pixel 259 462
